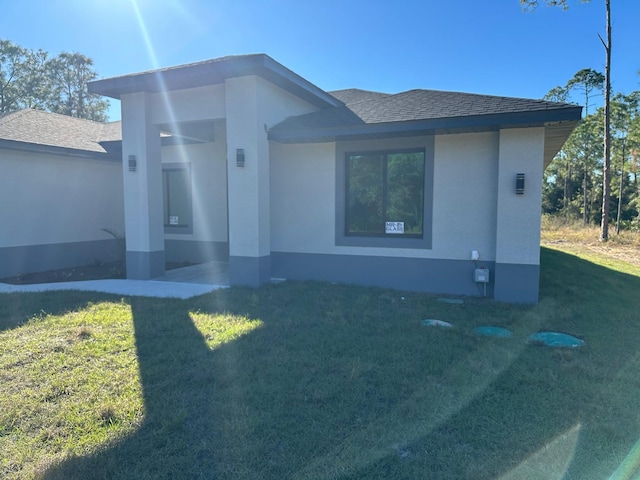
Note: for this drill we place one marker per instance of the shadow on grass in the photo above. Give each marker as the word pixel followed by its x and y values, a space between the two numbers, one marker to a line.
pixel 181 422
pixel 16 309
pixel 330 387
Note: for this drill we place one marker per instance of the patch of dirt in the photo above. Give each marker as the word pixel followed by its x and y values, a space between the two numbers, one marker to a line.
pixel 619 252
pixel 625 253
pixel 99 271
pixel 88 272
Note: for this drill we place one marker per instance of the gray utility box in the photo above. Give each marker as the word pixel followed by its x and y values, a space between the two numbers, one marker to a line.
pixel 481 275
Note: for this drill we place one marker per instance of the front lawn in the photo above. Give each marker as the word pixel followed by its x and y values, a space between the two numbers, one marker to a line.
pixel 320 381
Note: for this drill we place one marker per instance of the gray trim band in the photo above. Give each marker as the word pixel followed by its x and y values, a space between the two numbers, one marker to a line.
pixel 54 256
pixel 249 271
pixel 517 283
pixel 196 251
pixel 145 265
pixel 452 277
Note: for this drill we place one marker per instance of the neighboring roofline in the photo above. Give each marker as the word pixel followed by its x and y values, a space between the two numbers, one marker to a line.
pixel 115 146
pixel 54 150
pixel 212 72
pixel 425 126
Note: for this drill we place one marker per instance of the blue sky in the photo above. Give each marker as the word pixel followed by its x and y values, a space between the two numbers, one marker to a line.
pixel 480 46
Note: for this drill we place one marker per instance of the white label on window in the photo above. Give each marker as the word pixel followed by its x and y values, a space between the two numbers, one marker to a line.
pixel 173 220
pixel 394 227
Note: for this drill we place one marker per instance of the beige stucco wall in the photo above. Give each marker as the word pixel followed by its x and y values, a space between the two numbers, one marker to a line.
pixel 253 105
pixel 518 221
pixel 464 217
pixel 303 198
pixel 209 186
pixel 56 199
pixel 191 105
pixel 243 108
pixel 464 213
pixel 248 186
pixel 276 104
pixel 143 187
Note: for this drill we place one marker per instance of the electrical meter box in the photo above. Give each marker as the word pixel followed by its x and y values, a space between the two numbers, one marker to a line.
pixel 481 275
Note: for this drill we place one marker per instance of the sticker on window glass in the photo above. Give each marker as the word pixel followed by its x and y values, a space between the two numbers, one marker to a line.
pixel 173 220
pixel 394 227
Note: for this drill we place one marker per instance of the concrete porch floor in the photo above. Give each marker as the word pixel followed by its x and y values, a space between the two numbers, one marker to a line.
pixel 183 283
pixel 210 273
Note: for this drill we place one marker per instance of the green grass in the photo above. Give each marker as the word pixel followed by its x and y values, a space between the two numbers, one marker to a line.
pixel 319 381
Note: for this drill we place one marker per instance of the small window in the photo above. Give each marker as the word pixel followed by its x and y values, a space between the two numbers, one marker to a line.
pixel 385 194
pixel 176 193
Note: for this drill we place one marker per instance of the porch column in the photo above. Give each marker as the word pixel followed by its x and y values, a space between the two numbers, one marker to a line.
pixel 248 185
pixel 142 189
pixel 517 269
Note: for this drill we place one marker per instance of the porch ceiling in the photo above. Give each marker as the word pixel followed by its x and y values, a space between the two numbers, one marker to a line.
pixel 201 131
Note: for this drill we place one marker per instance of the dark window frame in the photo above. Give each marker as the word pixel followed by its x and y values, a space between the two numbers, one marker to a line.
pixel 187 227
pixel 391 145
pixel 385 154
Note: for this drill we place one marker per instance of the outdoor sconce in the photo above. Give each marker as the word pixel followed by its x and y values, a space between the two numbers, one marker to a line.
pixel 519 183
pixel 240 157
pixel 132 163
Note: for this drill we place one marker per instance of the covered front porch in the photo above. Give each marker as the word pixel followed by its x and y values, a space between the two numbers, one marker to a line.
pixel 208 273
pixel 220 111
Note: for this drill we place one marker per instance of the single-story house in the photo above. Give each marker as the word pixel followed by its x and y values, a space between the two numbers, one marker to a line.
pixel 239 159
pixel 59 188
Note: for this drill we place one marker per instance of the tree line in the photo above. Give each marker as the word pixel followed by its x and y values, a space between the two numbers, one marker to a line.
pixel 619 133
pixel 573 182
pixel 58 84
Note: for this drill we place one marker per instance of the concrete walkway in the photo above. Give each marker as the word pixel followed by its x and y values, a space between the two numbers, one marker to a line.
pixel 184 282
pixel 143 288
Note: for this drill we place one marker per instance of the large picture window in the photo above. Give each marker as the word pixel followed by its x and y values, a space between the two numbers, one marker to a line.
pixel 176 193
pixel 385 194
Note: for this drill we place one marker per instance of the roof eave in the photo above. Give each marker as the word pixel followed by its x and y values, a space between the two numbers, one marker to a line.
pixel 428 126
pixel 211 73
pixel 54 150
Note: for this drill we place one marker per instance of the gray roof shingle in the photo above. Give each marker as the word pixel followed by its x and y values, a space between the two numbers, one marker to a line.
pixel 364 109
pixel 429 104
pixel 54 130
pixel 354 95
pixel 111 132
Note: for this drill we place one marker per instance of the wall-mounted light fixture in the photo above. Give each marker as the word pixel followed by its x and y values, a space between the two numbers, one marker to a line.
pixel 519 183
pixel 132 163
pixel 240 157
